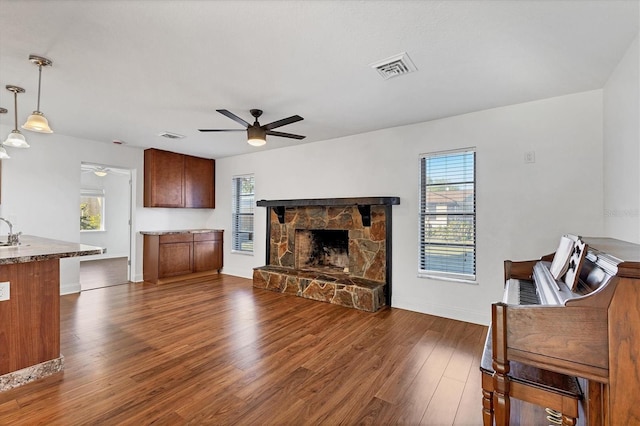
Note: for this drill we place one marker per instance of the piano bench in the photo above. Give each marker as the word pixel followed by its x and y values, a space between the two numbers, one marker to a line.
pixel 548 389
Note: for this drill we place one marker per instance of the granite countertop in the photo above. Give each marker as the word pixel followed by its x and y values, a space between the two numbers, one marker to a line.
pixel 181 231
pixel 32 249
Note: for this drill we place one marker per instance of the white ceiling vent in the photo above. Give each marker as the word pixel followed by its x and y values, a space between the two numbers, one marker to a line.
pixel 170 135
pixel 394 66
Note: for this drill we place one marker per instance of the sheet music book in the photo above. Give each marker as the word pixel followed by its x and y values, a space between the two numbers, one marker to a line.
pixel 575 263
pixel 560 262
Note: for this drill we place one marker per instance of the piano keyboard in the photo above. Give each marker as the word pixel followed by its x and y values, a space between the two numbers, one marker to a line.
pixel 521 292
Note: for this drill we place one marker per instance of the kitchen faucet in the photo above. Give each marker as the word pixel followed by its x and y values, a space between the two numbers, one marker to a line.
pixel 13 239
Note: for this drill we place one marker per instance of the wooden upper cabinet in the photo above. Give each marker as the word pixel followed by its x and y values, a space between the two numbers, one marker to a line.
pixel 199 176
pixel 178 180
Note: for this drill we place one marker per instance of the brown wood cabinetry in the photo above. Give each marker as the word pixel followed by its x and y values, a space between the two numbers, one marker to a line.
pixel 199 181
pixel 172 256
pixel 207 251
pixel 178 180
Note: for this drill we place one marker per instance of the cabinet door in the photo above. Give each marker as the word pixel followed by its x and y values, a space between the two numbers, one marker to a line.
pixel 199 182
pixel 207 251
pixel 174 259
pixel 163 178
pixel 204 256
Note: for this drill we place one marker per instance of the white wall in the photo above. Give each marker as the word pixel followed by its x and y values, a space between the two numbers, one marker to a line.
pixel 41 187
pixel 622 149
pixel 522 209
pixel 115 237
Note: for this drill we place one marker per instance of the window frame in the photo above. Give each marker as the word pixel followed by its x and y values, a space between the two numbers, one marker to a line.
pixel 236 245
pixel 424 244
pixel 97 193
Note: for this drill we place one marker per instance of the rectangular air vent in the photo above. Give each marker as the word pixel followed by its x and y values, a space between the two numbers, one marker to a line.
pixel 170 135
pixel 394 66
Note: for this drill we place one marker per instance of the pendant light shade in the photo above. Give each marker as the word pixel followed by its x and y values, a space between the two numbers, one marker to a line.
pixel 15 138
pixel 3 152
pixel 37 122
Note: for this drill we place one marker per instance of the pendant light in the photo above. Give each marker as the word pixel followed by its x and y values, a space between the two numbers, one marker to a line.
pixel 15 138
pixel 37 122
pixel 3 152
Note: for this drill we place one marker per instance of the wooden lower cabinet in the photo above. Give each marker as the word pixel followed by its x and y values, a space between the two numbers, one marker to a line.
pixel 207 251
pixel 179 255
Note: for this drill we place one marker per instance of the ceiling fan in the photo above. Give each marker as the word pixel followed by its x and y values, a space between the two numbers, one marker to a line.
pixel 257 133
pixel 101 171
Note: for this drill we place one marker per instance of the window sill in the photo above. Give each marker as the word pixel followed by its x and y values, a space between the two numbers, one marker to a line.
pixel 245 253
pixel 448 278
pixel 82 231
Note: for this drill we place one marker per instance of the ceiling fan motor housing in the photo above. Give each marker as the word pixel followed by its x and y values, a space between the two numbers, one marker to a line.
pixel 256 132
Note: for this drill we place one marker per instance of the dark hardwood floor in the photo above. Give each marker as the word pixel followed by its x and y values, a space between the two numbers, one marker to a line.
pixel 218 351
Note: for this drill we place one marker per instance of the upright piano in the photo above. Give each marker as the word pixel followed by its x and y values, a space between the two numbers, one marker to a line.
pixel 590 332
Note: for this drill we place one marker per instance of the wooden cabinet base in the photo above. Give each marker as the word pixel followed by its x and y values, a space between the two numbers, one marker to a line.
pixel 178 256
pixel 185 277
pixel 30 319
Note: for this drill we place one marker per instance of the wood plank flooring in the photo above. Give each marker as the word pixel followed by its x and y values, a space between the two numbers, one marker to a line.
pixel 218 351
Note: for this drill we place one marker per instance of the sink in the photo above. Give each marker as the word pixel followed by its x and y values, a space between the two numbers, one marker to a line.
pixel 5 244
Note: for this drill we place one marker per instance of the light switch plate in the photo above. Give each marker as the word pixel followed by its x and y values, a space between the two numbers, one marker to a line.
pixel 5 288
pixel 530 157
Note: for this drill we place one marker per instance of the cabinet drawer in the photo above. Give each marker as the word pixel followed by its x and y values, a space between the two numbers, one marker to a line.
pixel 207 236
pixel 176 238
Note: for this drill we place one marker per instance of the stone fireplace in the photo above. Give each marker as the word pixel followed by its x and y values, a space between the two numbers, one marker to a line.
pixel 334 250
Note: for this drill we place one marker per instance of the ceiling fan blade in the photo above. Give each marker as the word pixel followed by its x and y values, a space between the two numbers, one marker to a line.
pixel 233 117
pixel 282 122
pixel 222 130
pixel 285 135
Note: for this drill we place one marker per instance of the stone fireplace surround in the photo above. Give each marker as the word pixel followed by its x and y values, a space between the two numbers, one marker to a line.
pixel 365 283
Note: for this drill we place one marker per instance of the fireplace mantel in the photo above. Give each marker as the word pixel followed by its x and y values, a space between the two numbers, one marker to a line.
pixel 358 201
pixel 363 203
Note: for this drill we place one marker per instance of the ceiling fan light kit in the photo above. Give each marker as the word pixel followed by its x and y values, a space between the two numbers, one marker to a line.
pixel 256 133
pixel 37 122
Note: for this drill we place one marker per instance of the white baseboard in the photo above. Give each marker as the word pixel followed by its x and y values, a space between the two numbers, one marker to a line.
pixel 238 273
pixel 451 312
pixel 69 288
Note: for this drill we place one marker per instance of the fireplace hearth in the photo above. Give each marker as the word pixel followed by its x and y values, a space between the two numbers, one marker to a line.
pixel 335 250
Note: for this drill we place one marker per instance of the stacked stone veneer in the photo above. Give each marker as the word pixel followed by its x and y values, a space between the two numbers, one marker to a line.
pixel 363 287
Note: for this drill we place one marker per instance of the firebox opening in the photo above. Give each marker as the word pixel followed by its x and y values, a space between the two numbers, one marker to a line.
pixel 322 249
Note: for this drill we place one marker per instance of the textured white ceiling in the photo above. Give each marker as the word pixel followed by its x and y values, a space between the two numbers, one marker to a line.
pixel 130 70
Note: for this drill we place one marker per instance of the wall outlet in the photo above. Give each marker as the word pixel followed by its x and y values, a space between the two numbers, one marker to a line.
pixel 530 157
pixel 5 290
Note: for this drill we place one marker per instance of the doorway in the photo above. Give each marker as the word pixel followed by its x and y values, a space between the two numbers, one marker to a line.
pixel 105 221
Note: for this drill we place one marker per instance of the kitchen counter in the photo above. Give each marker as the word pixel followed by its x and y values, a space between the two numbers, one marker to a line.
pixel 30 308
pixel 181 231
pixel 32 249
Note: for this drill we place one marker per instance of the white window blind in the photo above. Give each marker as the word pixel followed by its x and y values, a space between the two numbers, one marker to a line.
pixel 243 206
pixel 448 214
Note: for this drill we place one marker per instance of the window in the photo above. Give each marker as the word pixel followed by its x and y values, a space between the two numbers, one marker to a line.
pixel 243 204
pixel 91 210
pixel 448 215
